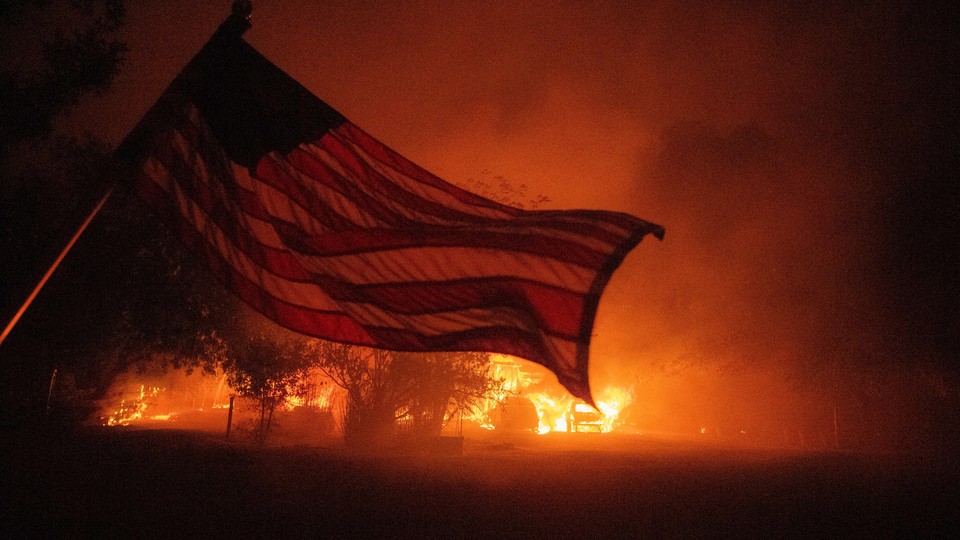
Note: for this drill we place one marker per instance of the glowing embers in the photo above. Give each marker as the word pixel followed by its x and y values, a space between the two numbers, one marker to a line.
pixel 133 409
pixel 157 396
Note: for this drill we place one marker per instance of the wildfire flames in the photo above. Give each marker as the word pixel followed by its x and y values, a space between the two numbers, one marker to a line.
pixel 162 397
pixel 132 410
pixel 555 409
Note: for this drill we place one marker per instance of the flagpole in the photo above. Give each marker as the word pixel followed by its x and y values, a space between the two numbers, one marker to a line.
pixel 53 267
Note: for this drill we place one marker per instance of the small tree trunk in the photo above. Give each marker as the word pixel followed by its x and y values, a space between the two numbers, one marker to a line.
pixel 261 435
pixel 53 381
pixel 836 428
pixel 270 418
pixel 230 416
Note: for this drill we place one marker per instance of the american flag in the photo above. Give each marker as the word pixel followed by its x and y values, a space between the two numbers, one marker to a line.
pixel 330 233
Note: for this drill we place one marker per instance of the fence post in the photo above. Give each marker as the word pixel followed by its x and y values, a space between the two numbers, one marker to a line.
pixel 230 416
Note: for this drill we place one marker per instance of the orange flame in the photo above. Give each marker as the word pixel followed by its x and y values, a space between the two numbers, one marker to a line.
pixel 133 410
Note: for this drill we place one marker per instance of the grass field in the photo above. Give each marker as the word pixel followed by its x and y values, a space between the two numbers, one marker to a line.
pixel 175 484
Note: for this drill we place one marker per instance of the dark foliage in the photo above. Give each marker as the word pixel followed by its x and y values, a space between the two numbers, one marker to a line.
pixel 265 370
pixel 424 391
pixel 441 385
pixel 74 61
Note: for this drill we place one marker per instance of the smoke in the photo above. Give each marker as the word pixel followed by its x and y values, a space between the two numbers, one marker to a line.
pixel 799 156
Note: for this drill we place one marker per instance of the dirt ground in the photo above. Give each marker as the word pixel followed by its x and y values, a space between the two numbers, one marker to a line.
pixel 113 483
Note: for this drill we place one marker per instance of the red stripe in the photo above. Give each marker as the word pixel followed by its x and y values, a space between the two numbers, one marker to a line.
pixel 270 173
pixel 556 311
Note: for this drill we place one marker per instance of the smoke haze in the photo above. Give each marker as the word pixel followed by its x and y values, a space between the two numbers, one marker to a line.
pixel 800 158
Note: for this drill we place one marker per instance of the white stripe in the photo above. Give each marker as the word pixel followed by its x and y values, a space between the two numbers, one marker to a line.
pixel 279 205
pixel 446 199
pixel 446 322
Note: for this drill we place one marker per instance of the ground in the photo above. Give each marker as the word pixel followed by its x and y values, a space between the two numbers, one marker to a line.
pixel 111 483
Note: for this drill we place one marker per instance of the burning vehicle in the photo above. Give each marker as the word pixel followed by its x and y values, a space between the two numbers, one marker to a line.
pixel 582 415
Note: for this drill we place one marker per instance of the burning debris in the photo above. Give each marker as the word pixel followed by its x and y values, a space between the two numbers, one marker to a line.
pixel 131 410
pixel 162 396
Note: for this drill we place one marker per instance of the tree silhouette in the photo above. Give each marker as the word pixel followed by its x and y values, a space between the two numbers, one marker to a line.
pixel 374 395
pixel 441 385
pixel 55 52
pixel 426 389
pixel 267 371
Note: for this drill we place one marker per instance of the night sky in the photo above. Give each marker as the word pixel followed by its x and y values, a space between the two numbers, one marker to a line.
pixel 802 159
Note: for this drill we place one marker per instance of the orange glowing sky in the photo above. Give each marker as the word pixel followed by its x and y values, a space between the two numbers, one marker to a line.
pixel 785 150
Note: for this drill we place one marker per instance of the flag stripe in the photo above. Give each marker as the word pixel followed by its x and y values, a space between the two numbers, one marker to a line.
pixel 334 151
pixel 285 177
pixel 372 240
pixel 419 201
